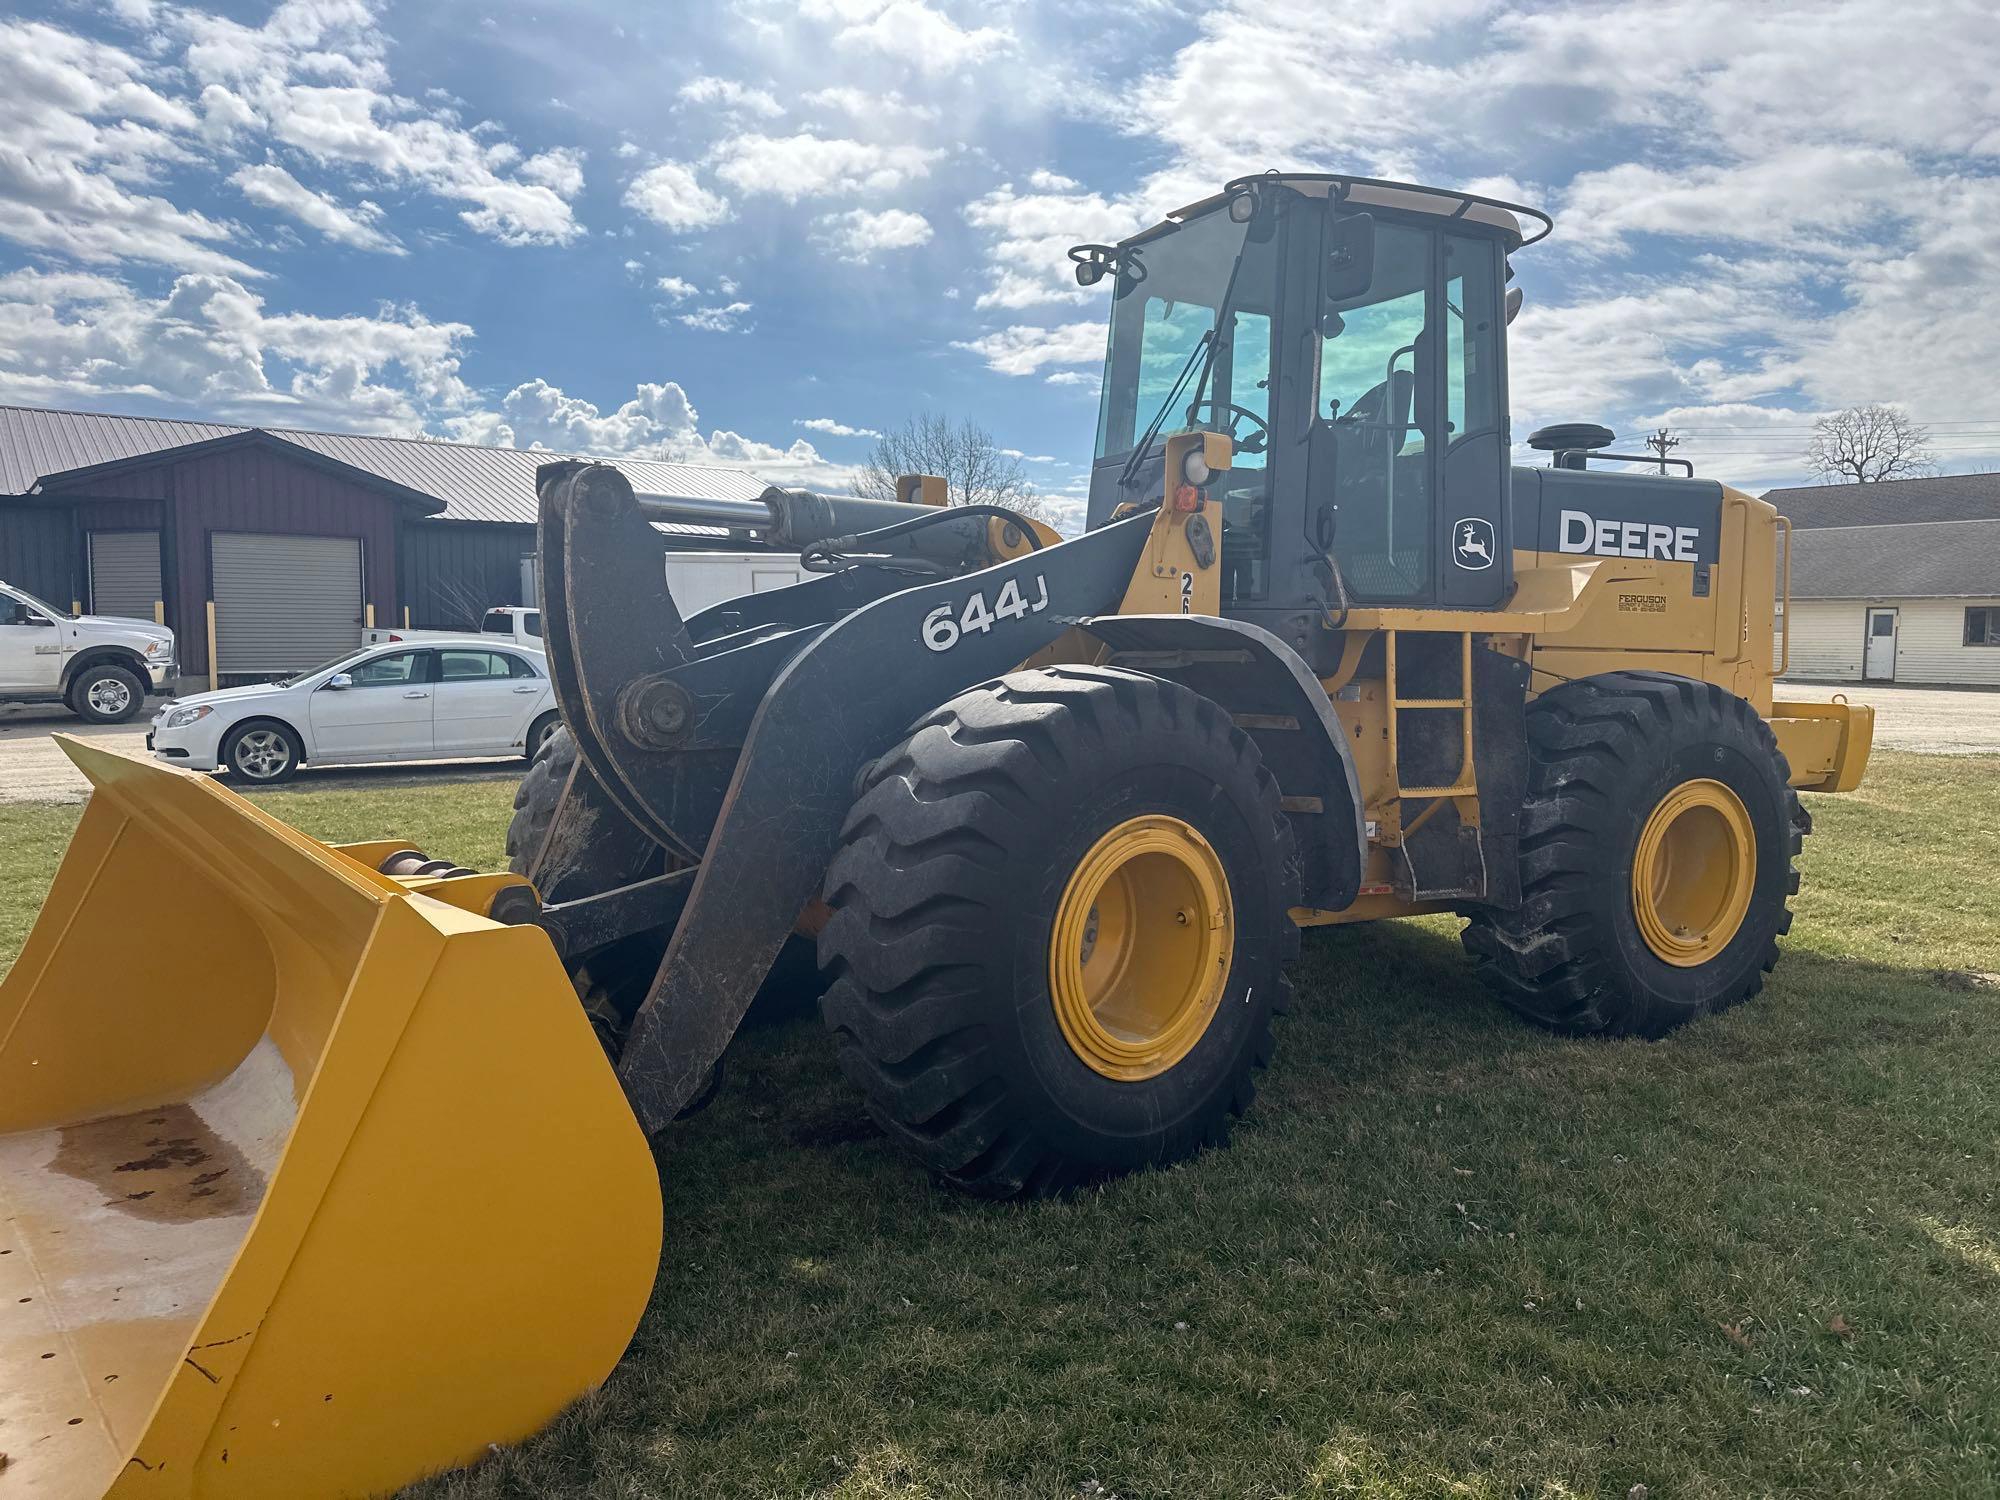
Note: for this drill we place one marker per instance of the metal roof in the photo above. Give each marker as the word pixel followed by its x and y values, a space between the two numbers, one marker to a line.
pixel 474 483
pixel 35 442
pixel 1904 560
pixel 1891 502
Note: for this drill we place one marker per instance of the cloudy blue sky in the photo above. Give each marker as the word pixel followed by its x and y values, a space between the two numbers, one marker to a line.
pixel 753 231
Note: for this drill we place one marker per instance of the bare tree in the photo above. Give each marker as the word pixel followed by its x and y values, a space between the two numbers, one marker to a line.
pixel 1865 444
pixel 975 469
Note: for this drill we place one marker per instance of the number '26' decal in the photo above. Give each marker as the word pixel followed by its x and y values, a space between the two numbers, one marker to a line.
pixel 946 625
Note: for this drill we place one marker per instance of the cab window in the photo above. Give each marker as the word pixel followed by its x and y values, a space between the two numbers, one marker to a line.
pixel 1375 402
pixel 1471 337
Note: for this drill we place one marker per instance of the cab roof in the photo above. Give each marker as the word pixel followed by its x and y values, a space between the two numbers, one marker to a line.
pixel 1374 192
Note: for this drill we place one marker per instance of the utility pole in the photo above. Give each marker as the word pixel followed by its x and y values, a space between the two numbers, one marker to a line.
pixel 1662 443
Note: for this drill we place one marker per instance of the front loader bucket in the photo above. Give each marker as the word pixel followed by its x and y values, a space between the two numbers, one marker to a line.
pixel 309 1184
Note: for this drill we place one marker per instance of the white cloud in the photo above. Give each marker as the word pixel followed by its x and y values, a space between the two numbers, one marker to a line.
pixel 313 76
pixel 659 422
pixel 807 166
pixel 864 104
pixel 82 132
pixel 832 428
pixel 211 343
pixel 560 170
pixel 859 235
pixel 721 318
pixel 669 194
pixel 275 188
pixel 730 95
pixel 1024 350
pixel 912 32
pixel 677 288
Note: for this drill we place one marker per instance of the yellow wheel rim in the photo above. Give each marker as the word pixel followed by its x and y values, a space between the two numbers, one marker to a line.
pixel 1139 954
pixel 1693 872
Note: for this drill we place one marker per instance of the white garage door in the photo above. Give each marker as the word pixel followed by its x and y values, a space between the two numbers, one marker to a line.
pixel 284 602
pixel 124 573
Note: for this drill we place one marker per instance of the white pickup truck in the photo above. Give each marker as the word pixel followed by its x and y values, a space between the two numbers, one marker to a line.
pixel 698 579
pixel 101 667
pixel 521 624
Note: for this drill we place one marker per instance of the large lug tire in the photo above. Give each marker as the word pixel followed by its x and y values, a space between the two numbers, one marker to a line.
pixel 1024 983
pixel 536 797
pixel 262 752
pixel 107 694
pixel 1656 858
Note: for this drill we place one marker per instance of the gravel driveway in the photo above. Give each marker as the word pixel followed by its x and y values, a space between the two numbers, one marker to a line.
pixel 33 767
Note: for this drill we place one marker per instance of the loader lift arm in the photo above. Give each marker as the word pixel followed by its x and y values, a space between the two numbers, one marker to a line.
pixel 738 756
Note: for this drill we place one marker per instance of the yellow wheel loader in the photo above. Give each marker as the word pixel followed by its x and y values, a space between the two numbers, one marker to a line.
pixel 302 1147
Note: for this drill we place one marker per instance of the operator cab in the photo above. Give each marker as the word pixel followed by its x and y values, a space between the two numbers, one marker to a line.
pixel 1358 363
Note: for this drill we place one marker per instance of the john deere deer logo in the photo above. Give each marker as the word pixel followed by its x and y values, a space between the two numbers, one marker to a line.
pixel 1472 543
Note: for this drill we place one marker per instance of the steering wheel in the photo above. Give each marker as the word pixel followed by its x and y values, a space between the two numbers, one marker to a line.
pixel 1256 442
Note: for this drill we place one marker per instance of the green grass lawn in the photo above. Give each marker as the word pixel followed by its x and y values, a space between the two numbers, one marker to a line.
pixel 1446 1254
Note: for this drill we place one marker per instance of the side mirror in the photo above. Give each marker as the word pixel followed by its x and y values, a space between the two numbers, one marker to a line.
pixel 1350 257
pixel 339 682
pixel 1513 304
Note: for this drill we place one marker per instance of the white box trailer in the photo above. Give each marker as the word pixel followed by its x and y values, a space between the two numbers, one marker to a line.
pixel 697 579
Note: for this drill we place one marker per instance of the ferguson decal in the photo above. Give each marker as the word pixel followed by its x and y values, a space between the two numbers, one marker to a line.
pixel 1579 531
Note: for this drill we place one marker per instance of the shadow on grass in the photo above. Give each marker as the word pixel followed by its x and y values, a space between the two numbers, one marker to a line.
pixel 1444 1253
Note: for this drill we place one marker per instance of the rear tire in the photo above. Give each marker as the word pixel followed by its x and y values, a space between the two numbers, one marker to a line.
pixel 538 732
pixel 984 834
pixel 107 694
pixel 1627 770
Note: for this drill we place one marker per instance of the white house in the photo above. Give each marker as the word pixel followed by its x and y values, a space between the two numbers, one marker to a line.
pixel 1897 581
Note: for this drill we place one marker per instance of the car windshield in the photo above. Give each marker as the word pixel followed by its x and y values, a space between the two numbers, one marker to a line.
pixel 42 604
pixel 326 666
pixel 1158 318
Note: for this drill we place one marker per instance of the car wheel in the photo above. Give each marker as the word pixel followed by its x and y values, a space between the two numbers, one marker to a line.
pixel 538 733
pixel 262 751
pixel 107 694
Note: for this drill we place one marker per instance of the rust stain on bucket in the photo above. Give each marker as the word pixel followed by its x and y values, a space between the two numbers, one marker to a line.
pixel 161 1164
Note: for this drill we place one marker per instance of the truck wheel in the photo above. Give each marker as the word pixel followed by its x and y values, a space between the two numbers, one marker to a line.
pixel 1060 921
pixel 107 694
pixel 262 751
pixel 1656 858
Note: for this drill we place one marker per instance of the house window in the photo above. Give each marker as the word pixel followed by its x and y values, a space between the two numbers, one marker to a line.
pixel 1982 626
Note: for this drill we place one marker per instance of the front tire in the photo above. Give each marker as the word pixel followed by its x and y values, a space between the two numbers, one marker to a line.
pixel 1060 920
pixel 262 752
pixel 1656 858
pixel 107 694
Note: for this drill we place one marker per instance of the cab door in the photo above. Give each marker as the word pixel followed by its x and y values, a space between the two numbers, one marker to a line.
pixel 1475 560
pixel 30 647
pixel 1408 442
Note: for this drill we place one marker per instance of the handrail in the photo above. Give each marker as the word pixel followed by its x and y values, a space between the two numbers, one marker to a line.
pixel 1785 635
